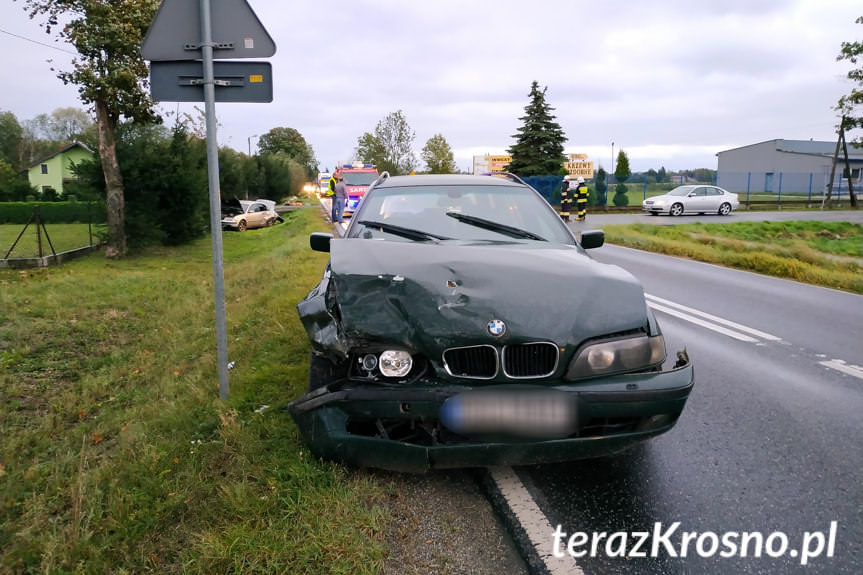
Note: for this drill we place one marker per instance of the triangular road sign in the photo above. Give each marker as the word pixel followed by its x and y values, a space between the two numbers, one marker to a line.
pixel 175 33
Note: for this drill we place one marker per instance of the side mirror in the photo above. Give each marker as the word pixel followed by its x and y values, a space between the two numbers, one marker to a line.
pixel 320 242
pixel 592 239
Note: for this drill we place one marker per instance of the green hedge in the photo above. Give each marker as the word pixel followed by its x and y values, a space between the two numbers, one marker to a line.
pixel 53 212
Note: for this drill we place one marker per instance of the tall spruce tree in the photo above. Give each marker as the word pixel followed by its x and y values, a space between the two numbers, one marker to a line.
pixel 538 149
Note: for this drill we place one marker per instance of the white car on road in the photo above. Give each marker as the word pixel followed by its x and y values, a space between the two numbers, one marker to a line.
pixel 692 199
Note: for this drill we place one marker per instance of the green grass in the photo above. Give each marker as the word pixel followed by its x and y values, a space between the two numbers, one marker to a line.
pixel 829 254
pixel 117 455
pixel 63 237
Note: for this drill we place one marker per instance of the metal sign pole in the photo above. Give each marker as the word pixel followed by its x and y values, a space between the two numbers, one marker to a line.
pixel 215 197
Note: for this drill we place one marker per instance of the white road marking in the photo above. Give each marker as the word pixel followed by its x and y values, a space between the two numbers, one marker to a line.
pixel 533 521
pixel 839 365
pixel 688 313
pixel 702 323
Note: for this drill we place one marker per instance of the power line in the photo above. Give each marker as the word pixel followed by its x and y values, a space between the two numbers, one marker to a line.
pixel 37 42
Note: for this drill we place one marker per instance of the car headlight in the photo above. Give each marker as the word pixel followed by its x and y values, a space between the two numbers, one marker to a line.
pixel 617 356
pixel 394 363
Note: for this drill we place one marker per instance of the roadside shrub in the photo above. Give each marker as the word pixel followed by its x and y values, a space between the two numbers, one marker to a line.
pixel 165 184
pixel 620 197
pixel 13 186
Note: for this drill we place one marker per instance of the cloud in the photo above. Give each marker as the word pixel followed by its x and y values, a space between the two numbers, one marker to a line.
pixel 672 82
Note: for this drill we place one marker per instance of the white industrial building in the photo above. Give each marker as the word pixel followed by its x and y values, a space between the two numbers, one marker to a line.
pixel 798 167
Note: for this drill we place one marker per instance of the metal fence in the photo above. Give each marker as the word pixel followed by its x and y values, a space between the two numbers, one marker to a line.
pixel 749 186
pixel 547 186
pixel 783 185
pixel 33 247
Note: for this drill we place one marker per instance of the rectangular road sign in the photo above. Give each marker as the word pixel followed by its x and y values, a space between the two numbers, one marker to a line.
pixel 235 81
pixel 175 33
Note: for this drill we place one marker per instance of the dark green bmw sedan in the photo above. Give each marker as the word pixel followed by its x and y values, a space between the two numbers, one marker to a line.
pixel 459 323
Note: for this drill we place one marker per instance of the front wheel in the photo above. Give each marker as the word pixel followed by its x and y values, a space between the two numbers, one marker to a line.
pixel 724 209
pixel 241 227
pixel 676 209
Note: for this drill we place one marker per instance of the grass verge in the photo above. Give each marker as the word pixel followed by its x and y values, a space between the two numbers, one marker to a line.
pixel 117 455
pixel 828 254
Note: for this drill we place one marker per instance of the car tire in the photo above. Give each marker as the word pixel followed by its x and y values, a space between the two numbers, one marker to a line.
pixel 725 209
pixel 653 213
pixel 241 227
pixel 270 222
pixel 676 209
pixel 324 372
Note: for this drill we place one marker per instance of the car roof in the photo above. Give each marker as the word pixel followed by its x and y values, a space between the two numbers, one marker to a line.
pixel 445 180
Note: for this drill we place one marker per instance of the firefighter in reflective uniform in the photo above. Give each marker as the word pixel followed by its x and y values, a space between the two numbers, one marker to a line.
pixel 565 201
pixel 580 200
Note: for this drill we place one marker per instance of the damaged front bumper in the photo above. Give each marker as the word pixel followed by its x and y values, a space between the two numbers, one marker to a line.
pixel 400 428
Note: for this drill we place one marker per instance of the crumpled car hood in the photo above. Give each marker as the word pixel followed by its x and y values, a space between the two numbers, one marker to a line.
pixel 428 297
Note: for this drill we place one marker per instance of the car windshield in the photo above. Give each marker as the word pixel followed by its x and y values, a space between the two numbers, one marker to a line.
pixel 485 213
pixel 681 191
pixel 359 178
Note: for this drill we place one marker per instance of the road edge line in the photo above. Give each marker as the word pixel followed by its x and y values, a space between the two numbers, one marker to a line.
pixel 526 523
pixel 712 318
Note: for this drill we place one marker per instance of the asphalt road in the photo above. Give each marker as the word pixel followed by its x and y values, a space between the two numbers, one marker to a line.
pixel 769 442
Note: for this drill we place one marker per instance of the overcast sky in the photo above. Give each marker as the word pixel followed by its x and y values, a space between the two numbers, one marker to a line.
pixel 671 82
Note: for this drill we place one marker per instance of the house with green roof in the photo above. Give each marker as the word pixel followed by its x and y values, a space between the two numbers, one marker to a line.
pixel 54 171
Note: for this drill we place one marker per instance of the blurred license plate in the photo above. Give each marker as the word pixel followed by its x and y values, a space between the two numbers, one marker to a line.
pixel 524 413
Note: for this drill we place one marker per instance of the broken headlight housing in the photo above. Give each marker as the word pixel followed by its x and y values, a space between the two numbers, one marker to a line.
pixel 389 364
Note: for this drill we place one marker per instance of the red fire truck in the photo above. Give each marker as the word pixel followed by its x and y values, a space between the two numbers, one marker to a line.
pixel 358 178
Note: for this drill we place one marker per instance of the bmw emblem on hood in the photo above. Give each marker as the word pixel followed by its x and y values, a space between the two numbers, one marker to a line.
pixel 496 327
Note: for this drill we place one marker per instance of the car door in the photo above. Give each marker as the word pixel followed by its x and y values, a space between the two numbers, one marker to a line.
pixel 697 200
pixel 257 215
pixel 713 199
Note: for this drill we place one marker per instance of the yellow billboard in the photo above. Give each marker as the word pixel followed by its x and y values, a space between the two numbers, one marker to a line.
pixel 578 165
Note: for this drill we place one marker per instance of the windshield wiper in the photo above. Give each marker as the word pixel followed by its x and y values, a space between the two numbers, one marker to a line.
pixel 409 233
pixel 495 226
